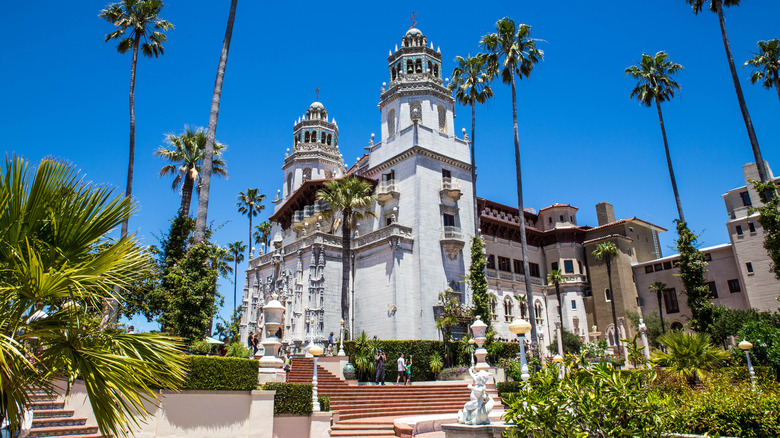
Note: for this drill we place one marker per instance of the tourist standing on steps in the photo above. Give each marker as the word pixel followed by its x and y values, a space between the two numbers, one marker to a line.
pixel 409 371
pixel 380 367
pixel 401 370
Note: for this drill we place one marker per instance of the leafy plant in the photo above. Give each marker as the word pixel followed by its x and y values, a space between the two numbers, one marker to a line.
pixel 635 351
pixel 237 349
pixel 201 346
pixel 452 312
pixel 436 364
pixel 572 343
pixel 478 281
pixel 363 356
pixel 688 354
pixel 692 269
pixel 769 218
pixel 766 344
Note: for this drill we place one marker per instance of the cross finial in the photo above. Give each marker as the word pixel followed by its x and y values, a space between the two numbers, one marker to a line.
pixel 317 94
pixel 414 22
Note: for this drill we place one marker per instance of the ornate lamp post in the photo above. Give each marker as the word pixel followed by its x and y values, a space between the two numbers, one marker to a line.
pixel 520 327
pixel 746 347
pixel 558 359
pixel 316 351
pixel 341 340
pixel 471 349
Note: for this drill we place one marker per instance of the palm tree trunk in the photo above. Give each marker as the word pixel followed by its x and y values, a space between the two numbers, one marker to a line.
pixel 186 195
pixel 762 174
pixel 345 263
pixel 474 171
pixel 614 313
pixel 249 253
pixel 235 284
pixel 661 309
pixel 131 159
pixel 203 199
pixel 777 86
pixel 521 216
pixel 669 163
pixel 560 309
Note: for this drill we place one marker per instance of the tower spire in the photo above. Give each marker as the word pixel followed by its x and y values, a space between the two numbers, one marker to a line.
pixel 413 20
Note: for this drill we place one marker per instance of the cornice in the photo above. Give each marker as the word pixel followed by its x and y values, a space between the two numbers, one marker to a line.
pixel 418 150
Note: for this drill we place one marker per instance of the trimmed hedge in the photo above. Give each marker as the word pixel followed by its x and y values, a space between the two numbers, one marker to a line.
pixel 292 398
pixel 421 352
pixel 217 373
pixel 324 403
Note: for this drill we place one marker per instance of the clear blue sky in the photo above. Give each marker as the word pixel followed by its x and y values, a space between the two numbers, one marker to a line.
pixel 65 94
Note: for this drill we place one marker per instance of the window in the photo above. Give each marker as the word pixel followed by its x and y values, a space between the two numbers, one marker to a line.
pixel 568 266
pixel 523 310
pixel 534 269
pixel 639 302
pixel 579 266
pixel 409 66
pixel 746 199
pixel 390 176
pixel 668 265
pixel 306 136
pixel 708 257
pixel 446 173
pixel 388 220
pixel 749 267
pixel 330 138
pixel 713 289
pixel 519 267
pixel 734 286
pixel 493 305
pixel 739 230
pixel 442 120
pixel 676 326
pixel 588 292
pixel 751 227
pixel 306 174
pixel 554 266
pixel 549 220
pixel 574 304
pixel 659 266
pixel 491 262
pixel 449 220
pixel 611 338
pixel 648 269
pixel 539 312
pixel 607 295
pixel 670 301
pixel 391 123
pixel 508 309
pixel 504 264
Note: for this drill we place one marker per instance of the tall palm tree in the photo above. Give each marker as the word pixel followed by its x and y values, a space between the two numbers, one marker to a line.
pixel 203 198
pixel 351 198
pixel 766 65
pixel 513 53
pixel 716 6
pixel 654 85
pixel 606 251
pixel 185 151
pixel 138 26
pixel 555 277
pixel 659 288
pixel 471 85
pixel 72 269
pixel 263 233
pixel 250 204
pixel 236 251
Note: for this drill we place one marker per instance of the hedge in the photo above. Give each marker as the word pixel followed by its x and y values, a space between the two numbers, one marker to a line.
pixel 221 373
pixel 506 388
pixel 324 403
pixel 291 398
pixel 421 352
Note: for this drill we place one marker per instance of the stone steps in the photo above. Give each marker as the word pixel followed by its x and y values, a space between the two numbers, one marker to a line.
pixel 51 419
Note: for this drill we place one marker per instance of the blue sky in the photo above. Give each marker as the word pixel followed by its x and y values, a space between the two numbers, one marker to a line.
pixel 65 94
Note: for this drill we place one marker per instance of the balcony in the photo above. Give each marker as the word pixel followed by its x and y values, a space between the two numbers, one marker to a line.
pixel 452 240
pixel 386 191
pixel 450 188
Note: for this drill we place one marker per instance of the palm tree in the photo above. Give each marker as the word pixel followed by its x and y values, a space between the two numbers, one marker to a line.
pixel 471 85
pixel 606 251
pixel 263 233
pixel 350 197
pixel 250 204
pixel 654 85
pixel 514 53
pixel 186 154
pixel 690 355
pixel 138 26
pixel 659 288
pixel 71 269
pixel 203 198
pixel 716 6
pixel 766 65
pixel 236 250
pixel 555 277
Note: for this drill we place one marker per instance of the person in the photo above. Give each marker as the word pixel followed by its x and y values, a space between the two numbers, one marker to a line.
pixel 409 371
pixel 131 330
pixel 380 367
pixel 255 343
pixel 401 370
pixel 330 343
pixel 250 340
pixel 287 363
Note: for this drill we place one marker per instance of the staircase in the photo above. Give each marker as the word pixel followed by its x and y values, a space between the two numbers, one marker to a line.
pixel 50 419
pixel 369 411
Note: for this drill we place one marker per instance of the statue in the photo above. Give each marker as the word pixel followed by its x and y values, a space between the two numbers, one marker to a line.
pixel 477 409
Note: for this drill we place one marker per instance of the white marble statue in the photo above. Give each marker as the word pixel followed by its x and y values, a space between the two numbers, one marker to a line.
pixel 477 409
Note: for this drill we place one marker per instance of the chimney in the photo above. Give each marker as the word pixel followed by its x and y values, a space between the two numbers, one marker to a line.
pixel 750 171
pixel 605 213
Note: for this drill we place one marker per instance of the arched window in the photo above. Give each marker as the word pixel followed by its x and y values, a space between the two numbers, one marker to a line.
pixel 523 310
pixel 442 120
pixel 330 138
pixel 289 184
pixel 436 70
pixel 508 305
pixel 493 305
pixel 392 73
pixel 307 136
pixel 324 138
pixel 430 67
pixel 306 174
pixel 610 335
pixel 295 140
pixel 418 66
pixel 607 295
pixel 391 123
pixel 539 312
pixel 409 66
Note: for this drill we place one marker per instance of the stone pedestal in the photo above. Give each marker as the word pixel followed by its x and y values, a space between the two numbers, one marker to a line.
pixel 273 313
pixel 265 375
pixel 478 329
pixel 455 430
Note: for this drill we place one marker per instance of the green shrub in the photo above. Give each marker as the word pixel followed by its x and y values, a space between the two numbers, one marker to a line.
pixel 508 387
pixel 324 403
pixel 292 398
pixel 201 346
pixel 221 373
pixel 237 349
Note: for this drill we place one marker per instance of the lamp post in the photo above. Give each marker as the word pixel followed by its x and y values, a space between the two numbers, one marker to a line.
pixel 341 340
pixel 558 359
pixel 520 327
pixel 471 350
pixel 316 351
pixel 746 347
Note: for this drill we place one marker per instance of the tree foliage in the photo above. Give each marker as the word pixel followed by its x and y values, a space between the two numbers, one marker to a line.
pixel 478 281
pixel 766 65
pixel 692 269
pixel 690 355
pixel 769 218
